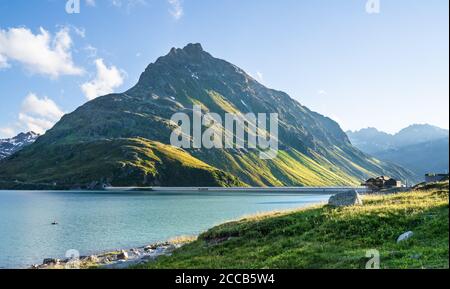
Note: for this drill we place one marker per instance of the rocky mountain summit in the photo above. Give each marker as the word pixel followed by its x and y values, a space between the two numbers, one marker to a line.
pixel 12 145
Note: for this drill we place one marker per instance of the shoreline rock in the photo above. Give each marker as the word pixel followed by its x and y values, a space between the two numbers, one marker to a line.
pixel 120 259
pixel 350 198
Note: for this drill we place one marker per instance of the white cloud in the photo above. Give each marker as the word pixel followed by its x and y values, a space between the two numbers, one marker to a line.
pixel 41 107
pixel 36 114
pixel 176 9
pixel 119 3
pixel 80 31
pixel 39 114
pixel 35 124
pixel 322 92
pixel 39 53
pixel 3 62
pixel 106 80
pixel 128 4
pixel 7 132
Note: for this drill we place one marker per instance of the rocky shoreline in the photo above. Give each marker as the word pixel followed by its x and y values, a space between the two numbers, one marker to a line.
pixel 119 259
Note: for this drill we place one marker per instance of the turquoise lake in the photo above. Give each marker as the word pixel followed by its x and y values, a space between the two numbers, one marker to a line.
pixel 93 222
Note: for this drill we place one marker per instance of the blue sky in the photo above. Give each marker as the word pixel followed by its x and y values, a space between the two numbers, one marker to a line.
pixel 385 70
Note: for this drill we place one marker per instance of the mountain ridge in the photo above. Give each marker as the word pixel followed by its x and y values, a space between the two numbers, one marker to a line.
pixel 313 149
pixel 372 140
pixel 9 146
pixel 422 148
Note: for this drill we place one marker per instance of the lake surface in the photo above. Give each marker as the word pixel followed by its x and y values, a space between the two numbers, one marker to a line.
pixel 94 222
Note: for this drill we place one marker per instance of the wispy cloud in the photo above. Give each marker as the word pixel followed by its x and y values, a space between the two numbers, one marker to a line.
pixel 39 114
pixel 7 132
pixel 176 9
pixel 91 51
pixel 127 4
pixel 43 53
pixel 107 79
pixel 176 6
pixel 79 31
pixel 36 114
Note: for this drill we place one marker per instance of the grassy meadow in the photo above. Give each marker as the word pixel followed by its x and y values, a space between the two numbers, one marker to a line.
pixel 324 237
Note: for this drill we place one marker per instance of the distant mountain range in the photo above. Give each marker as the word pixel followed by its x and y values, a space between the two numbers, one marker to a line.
pixel 123 139
pixel 372 141
pixel 419 148
pixel 12 145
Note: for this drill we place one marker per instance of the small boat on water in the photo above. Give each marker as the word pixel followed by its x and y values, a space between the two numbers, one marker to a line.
pixel 54 223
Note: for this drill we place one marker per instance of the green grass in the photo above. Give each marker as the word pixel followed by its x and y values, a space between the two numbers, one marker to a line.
pixel 324 237
pixel 119 162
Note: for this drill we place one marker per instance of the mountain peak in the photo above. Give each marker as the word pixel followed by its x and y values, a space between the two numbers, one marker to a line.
pixel 423 127
pixel 180 65
pixel 12 145
pixel 135 128
pixel 190 49
pixel 193 47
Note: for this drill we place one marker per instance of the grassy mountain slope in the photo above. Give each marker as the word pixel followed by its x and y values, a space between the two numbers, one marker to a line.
pixel 324 237
pixel 313 149
pixel 119 162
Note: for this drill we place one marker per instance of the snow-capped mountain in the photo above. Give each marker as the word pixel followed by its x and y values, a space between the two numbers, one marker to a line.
pixel 11 145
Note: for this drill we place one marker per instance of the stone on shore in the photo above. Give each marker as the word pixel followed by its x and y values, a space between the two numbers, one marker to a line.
pixel 92 259
pixel 350 198
pixel 405 236
pixel 135 252
pixel 123 255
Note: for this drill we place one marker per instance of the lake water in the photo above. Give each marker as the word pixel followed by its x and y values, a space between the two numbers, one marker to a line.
pixel 96 222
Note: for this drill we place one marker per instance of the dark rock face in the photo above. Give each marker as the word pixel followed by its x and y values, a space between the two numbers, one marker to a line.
pixel 12 145
pixel 314 149
pixel 351 198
